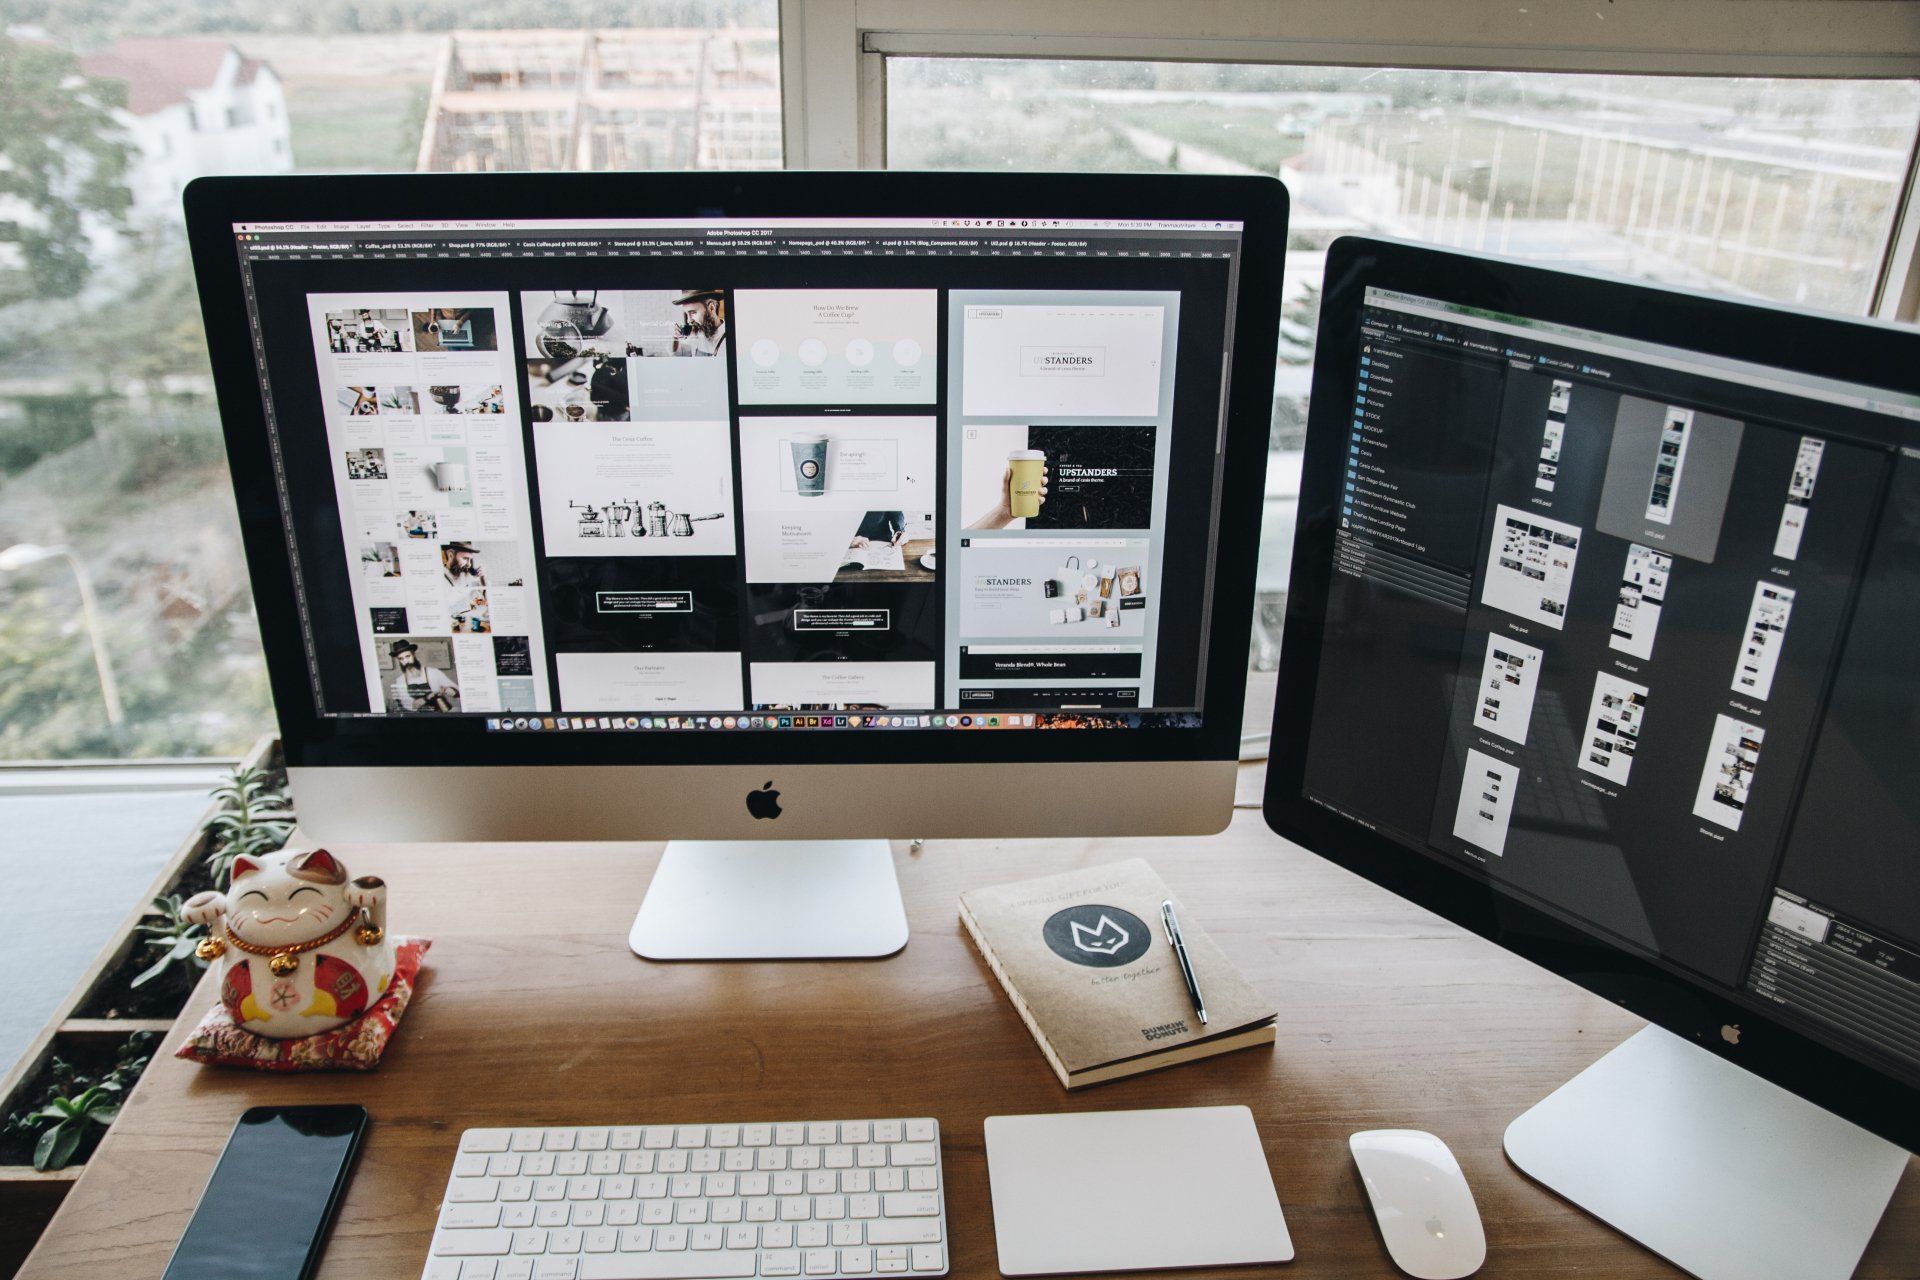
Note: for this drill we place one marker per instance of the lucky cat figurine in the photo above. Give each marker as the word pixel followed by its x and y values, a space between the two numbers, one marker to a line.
pixel 302 950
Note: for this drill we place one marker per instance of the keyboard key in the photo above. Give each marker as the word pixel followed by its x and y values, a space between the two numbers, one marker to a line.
pixel 514 1269
pixel 466 1244
pixel 601 1240
pixel 591 1214
pixel 487 1141
pixel 470 1215
pixel 856 1261
pixel 820 1133
pixel 756 1135
pixel 921 1131
pixel 517 1215
pixel 810 1235
pixel 863 1206
pixel 742 1236
pixel 506 1166
pixel 623 1213
pixel 670 1239
pixel 690 1136
pixel 789 1135
pixel 928 1257
pixel 480 1269
pixel 821 1262
pixel 593 1140
pixel 470 1166
pixel 784 1263
pixel 624 1139
pixel 914 1153
pixel 556 1214
pixel 889 1131
pixel 911 1204
pixel 844 1233
pixel 923 1180
pixel 516 1189
pixel 636 1240
pixel 532 1240
pixel 706 1237
pixel 856 1132
pixel 473 1191
pixel 890 1259
pixel 559 1140
pixel 527 1139
pixel 724 1135
pixel 570 1164
pixel 565 1240
pixel 889 1179
pixel 555 1269
pixel 905 1231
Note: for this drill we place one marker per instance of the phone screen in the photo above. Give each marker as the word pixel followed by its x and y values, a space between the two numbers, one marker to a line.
pixel 267 1206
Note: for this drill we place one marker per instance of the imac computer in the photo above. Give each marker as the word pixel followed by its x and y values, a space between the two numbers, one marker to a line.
pixel 775 514
pixel 1601 643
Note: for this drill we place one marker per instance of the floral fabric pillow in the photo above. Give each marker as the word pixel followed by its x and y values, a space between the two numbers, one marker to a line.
pixel 355 1046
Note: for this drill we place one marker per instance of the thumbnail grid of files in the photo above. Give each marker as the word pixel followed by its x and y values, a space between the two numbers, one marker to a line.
pixel 814 582
pixel 1529 574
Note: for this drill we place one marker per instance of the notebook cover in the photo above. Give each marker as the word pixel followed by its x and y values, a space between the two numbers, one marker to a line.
pixel 1084 959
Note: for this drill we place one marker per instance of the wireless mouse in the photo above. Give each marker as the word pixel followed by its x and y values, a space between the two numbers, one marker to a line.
pixel 1421 1202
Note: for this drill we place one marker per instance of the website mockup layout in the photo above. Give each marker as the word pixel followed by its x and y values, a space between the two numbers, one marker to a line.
pixel 1628 629
pixel 641 475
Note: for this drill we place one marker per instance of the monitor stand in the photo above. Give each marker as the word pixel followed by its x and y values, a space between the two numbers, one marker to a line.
pixel 771 900
pixel 1725 1174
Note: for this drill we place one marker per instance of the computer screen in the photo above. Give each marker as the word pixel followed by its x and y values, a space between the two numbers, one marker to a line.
pixel 727 473
pixel 1628 630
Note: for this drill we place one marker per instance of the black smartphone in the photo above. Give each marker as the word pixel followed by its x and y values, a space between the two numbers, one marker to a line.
pixel 266 1209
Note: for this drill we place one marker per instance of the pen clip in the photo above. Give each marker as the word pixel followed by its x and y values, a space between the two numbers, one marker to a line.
pixel 1171 925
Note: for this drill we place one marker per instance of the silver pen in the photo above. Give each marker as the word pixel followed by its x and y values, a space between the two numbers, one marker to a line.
pixel 1179 945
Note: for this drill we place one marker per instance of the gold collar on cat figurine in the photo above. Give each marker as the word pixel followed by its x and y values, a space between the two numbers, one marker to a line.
pixel 282 961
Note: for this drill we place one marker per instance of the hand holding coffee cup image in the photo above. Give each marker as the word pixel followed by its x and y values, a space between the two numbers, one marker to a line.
pixel 1023 490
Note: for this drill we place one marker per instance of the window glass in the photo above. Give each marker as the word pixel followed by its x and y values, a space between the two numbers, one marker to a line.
pixel 1778 189
pixel 126 619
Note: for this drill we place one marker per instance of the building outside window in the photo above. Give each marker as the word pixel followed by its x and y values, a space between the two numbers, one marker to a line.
pixel 1781 190
pixel 110 448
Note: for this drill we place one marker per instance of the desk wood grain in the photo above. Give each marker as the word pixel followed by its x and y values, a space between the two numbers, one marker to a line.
pixel 531 1011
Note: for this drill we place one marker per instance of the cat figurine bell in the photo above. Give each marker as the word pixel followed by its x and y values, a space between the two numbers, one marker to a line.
pixel 302 949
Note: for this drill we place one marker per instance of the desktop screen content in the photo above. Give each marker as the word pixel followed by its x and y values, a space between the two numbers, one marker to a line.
pixel 1628 630
pixel 719 474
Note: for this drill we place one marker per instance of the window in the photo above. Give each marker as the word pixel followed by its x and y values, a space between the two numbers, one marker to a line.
pixel 1787 190
pixel 126 618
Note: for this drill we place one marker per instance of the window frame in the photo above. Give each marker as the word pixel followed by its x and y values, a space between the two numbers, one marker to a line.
pixel 834 52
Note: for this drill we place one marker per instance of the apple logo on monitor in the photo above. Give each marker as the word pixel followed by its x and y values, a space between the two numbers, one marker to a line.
pixel 764 803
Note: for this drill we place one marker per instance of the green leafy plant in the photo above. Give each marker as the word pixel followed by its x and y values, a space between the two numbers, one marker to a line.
pixel 172 937
pixel 254 819
pixel 76 1107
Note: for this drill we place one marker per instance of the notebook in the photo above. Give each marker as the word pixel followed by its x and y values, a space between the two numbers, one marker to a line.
pixel 1084 959
pixel 1132 1191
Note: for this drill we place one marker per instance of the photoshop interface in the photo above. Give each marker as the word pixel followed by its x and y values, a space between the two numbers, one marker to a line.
pixel 637 474
pixel 1629 630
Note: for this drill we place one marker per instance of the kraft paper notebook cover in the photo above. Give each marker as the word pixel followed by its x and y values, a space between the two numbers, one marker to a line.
pixel 1084 959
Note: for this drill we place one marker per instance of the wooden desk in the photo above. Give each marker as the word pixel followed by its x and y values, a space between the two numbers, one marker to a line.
pixel 532 1012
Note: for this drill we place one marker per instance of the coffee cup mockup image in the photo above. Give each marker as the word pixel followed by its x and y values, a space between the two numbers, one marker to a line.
pixel 449 476
pixel 809 465
pixel 1027 467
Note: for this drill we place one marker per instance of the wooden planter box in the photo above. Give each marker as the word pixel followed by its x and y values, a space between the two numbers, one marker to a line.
pixel 29 1197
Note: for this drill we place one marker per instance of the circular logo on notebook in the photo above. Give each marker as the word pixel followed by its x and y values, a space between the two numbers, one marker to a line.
pixel 1097 936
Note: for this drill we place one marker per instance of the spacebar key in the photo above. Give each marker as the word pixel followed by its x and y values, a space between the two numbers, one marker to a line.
pixel 700 1265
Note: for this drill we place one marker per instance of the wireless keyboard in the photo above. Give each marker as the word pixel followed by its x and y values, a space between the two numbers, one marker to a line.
pixel 824 1198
